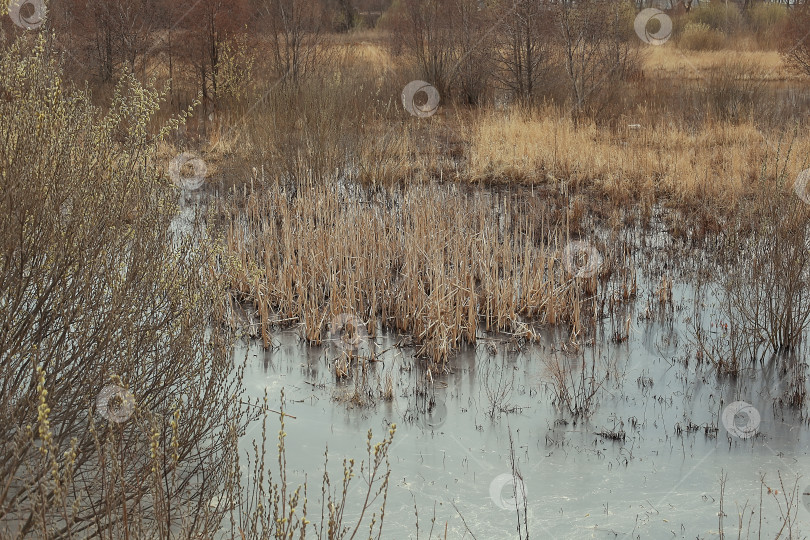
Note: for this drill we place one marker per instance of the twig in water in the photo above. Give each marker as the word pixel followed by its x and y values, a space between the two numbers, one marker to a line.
pixel 463 521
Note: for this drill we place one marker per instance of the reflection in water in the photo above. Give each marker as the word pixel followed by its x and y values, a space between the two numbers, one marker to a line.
pixel 451 453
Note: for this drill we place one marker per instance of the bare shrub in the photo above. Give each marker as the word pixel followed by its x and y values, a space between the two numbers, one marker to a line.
pixel 766 297
pixel 733 89
pixel 472 67
pixel 326 127
pixel 575 383
pixel 795 45
pixel 295 34
pixel 722 16
pixel 499 387
pixel 269 507
pixel 449 43
pixel 110 37
pixel 524 40
pixel 96 293
pixel 767 20
pixel 206 26
pixel 599 48
pixel 121 410
pixel 425 31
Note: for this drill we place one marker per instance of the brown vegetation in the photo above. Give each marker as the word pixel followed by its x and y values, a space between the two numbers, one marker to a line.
pixel 399 259
pixel 333 200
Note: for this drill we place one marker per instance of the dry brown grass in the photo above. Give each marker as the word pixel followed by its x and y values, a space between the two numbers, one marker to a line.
pixel 722 163
pixel 672 63
pixel 364 49
pixel 667 61
pixel 701 143
pixel 426 260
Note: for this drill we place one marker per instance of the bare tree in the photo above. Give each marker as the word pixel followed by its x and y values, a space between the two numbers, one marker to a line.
pixel 449 42
pixel 345 15
pixel 206 27
pixel 599 47
pixel 295 31
pixel 426 30
pixel 472 49
pixel 524 46
pixel 106 37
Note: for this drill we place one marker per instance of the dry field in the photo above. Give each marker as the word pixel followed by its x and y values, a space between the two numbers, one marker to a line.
pixel 673 63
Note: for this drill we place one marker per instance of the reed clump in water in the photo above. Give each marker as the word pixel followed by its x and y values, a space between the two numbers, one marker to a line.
pixel 428 260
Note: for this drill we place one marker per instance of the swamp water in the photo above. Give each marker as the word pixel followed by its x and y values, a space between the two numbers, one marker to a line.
pixel 646 463
pixel 661 480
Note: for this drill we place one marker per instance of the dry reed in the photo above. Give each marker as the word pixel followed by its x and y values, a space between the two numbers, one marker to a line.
pixel 427 260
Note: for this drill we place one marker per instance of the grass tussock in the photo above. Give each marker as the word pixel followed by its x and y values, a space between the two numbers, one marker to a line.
pixel 432 261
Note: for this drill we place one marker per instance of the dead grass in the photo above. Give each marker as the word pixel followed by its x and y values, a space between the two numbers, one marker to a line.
pixel 652 162
pixel 427 260
pixel 363 49
pixel 669 62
